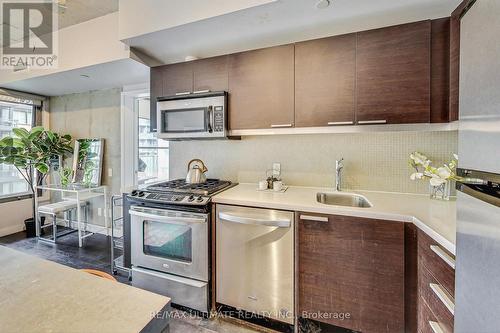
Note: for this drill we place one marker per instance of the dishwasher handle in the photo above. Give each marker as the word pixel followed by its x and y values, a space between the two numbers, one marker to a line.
pixel 280 223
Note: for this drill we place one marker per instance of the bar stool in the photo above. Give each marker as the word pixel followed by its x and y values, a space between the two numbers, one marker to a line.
pixel 67 208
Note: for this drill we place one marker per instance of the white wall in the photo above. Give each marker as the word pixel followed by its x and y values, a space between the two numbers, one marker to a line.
pixel 139 17
pixel 13 215
pixel 81 45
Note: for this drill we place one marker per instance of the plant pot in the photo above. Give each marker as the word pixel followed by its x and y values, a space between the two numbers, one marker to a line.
pixel 31 227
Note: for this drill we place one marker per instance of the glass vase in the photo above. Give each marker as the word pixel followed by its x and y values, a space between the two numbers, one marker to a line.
pixel 441 192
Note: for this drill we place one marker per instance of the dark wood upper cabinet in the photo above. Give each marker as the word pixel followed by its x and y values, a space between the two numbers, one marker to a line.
pixel 261 88
pixel 393 74
pixel 355 266
pixel 156 90
pixel 440 71
pixel 177 78
pixel 210 74
pixel 325 81
pixel 455 18
pixel 396 75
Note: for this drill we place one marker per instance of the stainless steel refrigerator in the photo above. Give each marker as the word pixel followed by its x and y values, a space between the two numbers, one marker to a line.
pixel 477 295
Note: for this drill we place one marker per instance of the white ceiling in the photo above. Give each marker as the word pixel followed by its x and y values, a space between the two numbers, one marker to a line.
pixel 282 22
pixel 103 76
pixel 71 12
pixel 78 11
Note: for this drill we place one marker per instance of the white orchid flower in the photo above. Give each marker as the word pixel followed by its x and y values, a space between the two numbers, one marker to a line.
pixel 455 156
pixel 420 159
pixel 444 172
pixel 436 181
pixel 416 175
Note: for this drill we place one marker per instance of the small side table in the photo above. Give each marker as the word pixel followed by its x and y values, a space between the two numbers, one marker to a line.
pixel 77 193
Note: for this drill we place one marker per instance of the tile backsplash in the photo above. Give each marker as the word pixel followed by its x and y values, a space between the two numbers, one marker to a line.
pixel 373 161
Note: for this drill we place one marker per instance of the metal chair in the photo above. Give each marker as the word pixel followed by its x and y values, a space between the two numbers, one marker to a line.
pixel 67 208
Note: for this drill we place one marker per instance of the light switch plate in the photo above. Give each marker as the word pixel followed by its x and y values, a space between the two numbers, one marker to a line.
pixel 110 172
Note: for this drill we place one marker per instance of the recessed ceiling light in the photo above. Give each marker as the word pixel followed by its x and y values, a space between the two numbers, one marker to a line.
pixel 85 76
pixel 321 4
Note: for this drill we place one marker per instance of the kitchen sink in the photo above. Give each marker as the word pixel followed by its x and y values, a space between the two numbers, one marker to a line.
pixel 343 199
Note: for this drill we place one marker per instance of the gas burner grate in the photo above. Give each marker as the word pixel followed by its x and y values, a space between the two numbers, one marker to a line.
pixel 180 186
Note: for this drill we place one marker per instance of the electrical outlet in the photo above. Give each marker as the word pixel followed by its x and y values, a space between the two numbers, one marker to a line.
pixel 99 211
pixel 110 172
pixel 276 170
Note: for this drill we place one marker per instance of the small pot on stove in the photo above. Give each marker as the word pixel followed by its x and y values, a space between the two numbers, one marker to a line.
pixel 196 172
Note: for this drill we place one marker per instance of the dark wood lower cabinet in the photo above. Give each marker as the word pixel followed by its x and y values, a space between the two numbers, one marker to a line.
pixel 434 270
pixel 411 277
pixel 351 272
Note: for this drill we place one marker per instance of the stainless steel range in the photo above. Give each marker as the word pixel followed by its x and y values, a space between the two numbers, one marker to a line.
pixel 169 239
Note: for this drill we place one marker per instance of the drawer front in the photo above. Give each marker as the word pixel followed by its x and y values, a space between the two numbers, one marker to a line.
pixel 425 317
pixel 436 297
pixel 186 292
pixel 438 261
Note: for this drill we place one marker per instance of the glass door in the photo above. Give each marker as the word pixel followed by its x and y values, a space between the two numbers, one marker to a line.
pixel 152 153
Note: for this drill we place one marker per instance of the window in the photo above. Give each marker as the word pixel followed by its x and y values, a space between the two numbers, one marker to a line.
pixel 13 115
pixel 153 153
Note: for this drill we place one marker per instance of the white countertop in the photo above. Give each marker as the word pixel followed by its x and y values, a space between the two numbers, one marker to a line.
pixel 436 218
pixel 43 296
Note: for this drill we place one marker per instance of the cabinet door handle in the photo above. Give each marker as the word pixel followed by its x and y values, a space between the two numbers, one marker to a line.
pixel 281 125
pixel 339 123
pixel 314 218
pixel 369 122
pixel 443 255
pixel 435 327
pixel 182 93
pixel 201 91
pixel 443 297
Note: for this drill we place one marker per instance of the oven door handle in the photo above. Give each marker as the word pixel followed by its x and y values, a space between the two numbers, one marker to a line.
pixel 168 219
pixel 280 223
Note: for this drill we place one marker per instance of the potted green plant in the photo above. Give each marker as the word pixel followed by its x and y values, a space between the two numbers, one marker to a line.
pixel 30 151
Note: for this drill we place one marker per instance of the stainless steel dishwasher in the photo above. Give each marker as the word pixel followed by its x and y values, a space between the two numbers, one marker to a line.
pixel 255 261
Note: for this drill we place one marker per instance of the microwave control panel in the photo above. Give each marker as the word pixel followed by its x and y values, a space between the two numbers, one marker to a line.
pixel 218 119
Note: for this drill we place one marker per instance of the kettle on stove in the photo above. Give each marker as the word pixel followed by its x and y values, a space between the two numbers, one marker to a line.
pixel 196 172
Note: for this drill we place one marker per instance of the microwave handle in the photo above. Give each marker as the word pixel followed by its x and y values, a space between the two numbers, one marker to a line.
pixel 210 119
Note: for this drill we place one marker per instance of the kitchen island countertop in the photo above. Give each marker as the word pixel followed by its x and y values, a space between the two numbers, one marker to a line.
pixel 436 218
pixel 42 296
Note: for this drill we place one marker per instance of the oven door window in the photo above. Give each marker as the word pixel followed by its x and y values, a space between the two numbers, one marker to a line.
pixel 168 241
pixel 184 120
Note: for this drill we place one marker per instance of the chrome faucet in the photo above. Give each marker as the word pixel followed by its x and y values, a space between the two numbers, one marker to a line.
pixel 339 165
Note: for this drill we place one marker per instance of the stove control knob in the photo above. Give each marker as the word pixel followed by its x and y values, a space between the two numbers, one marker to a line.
pixel 140 194
pixel 134 193
pixel 191 198
pixel 199 199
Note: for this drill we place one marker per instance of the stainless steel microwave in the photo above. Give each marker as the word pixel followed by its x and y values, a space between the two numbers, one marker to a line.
pixel 192 116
